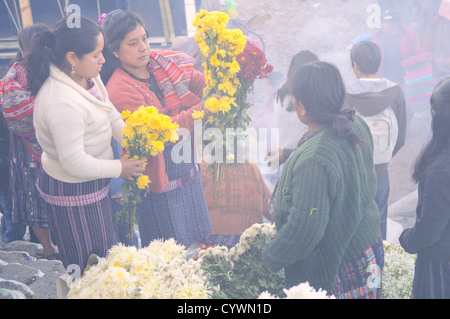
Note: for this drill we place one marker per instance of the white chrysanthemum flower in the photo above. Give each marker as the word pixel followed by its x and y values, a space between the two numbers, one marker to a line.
pixel 305 291
pixel 267 295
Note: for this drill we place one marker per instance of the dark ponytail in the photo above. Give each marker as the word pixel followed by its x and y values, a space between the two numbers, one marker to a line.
pixel 320 88
pixel 342 125
pixel 51 47
pixel 440 125
pixel 39 60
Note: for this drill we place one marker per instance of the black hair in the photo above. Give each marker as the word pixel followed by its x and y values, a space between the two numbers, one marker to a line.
pixel 301 58
pixel 117 25
pixel 51 47
pixel 25 39
pixel 320 89
pixel 440 126
pixel 367 55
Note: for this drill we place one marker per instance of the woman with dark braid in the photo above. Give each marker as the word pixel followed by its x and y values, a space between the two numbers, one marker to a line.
pixel 324 209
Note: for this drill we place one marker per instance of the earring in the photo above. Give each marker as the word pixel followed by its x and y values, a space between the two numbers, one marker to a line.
pixel 72 73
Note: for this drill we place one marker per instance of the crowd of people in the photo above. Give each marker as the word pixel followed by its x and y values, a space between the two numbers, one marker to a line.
pixel 62 166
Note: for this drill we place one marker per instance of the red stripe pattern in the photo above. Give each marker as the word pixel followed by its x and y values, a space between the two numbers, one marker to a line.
pixel 173 72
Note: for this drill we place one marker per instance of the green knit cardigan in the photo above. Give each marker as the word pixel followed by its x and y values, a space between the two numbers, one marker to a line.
pixel 325 212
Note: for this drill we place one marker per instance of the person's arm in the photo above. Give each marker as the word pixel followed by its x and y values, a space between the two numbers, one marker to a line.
pixel 307 220
pixel 197 83
pixel 125 96
pixel 402 119
pixel 117 125
pixel 434 214
pixel 196 86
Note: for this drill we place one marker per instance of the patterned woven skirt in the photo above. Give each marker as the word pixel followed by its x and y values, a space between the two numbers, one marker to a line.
pixel 180 211
pixel 27 206
pixel 80 217
pixel 361 277
pixel 431 279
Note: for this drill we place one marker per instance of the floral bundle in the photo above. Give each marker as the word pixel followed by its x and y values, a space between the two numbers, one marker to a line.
pixel 239 272
pixel 158 271
pixel 146 132
pixel 220 47
pixel 398 272
pixel 254 66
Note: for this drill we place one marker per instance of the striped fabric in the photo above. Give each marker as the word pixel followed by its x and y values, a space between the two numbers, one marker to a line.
pixel 431 279
pixel 173 72
pixel 18 107
pixel 419 82
pixel 352 280
pixel 28 208
pixel 80 230
pixel 179 182
pixel 79 200
pixel 181 213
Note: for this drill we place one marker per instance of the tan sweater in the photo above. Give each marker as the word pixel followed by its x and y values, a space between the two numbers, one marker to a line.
pixel 74 130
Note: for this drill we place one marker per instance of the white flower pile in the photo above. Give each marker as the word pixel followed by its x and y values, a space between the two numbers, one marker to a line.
pixel 158 271
pixel 246 241
pixel 301 291
pixel 398 272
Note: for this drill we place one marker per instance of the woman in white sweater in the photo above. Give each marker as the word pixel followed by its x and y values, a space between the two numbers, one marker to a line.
pixel 74 122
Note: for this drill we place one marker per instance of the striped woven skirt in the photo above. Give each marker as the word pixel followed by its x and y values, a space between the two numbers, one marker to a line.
pixel 361 277
pixel 80 217
pixel 27 206
pixel 180 211
pixel 431 279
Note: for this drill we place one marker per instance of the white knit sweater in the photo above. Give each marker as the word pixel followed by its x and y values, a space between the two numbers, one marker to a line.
pixel 74 130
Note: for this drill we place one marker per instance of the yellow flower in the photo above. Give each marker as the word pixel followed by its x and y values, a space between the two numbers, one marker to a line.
pixel 230 157
pixel 142 181
pixel 228 88
pixel 128 132
pixel 214 60
pixel 174 138
pixel 156 147
pixel 125 114
pixel 198 115
pixel 212 104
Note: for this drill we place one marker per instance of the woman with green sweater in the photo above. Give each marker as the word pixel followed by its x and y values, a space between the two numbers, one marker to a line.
pixel 326 217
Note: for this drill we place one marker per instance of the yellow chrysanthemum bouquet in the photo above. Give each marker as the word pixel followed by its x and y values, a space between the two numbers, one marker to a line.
pixel 220 47
pixel 146 132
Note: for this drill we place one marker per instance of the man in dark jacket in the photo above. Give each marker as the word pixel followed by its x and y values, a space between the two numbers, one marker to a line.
pixel 378 100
